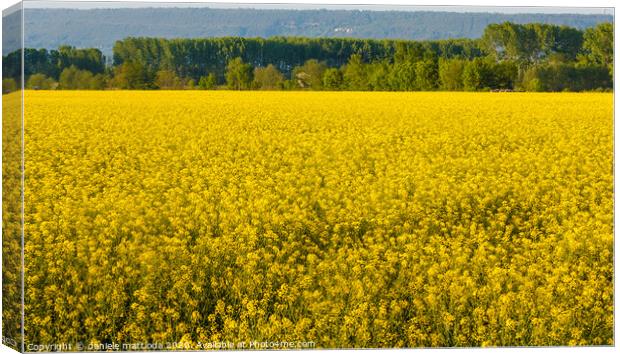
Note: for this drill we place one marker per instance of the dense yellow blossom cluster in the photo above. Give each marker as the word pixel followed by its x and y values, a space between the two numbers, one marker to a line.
pixel 357 219
pixel 11 219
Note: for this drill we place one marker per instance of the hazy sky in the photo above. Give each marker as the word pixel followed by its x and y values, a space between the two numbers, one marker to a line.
pixel 501 9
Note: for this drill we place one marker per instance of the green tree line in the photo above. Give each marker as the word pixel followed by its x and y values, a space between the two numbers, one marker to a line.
pixel 529 57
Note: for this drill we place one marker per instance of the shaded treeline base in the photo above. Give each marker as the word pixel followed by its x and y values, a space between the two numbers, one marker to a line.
pixel 531 57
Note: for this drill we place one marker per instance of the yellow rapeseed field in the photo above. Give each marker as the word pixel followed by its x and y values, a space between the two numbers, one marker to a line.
pixel 347 219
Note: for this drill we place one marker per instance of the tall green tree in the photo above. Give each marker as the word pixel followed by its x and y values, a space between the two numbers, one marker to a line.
pixel 504 75
pixel 310 75
pixel 451 74
pixel 354 74
pixel 560 42
pixel 402 76
pixel 478 75
pixel 239 75
pixel 39 82
pixel 426 75
pixel 512 41
pixel 332 79
pixel 132 75
pixel 73 78
pixel 168 80
pixel 378 76
pixel 598 46
pixel 208 82
pixel 268 78
pixel 90 59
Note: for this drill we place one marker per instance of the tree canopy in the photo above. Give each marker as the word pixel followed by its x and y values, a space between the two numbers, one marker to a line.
pixel 508 56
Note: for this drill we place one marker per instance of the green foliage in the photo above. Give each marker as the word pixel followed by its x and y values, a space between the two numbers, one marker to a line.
pixel 451 74
pixel 193 58
pixel 39 82
pixel 73 78
pixel 499 60
pixel 505 75
pixel 268 78
pixel 426 75
pixel 403 77
pixel 477 75
pixel 98 82
pixel 485 73
pixel 565 77
pixel 378 76
pixel 168 80
pixel 208 82
pixel 598 46
pixel 333 79
pixel 52 63
pixel 238 74
pixel 290 85
pixel 354 74
pixel 40 61
pixel 132 75
pixel 530 43
pixel 90 59
pixel 9 85
pixel 507 41
pixel 562 41
pixel 533 84
pixel 310 75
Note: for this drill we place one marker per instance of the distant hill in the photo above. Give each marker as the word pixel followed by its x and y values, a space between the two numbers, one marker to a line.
pixel 100 28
